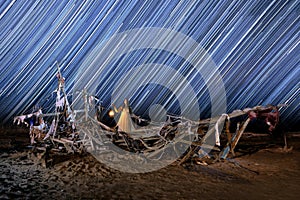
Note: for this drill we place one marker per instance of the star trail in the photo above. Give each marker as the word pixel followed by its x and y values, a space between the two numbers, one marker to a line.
pixel 254 46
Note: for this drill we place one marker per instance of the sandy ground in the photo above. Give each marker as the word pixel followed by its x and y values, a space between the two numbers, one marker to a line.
pixel 260 170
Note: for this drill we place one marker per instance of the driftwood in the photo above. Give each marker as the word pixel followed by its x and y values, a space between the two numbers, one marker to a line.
pixel 151 145
pixel 234 140
pixel 63 134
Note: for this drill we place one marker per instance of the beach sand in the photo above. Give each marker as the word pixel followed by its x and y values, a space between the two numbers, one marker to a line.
pixel 260 170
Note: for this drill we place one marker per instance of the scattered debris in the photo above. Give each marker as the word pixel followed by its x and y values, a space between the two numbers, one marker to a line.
pixel 75 131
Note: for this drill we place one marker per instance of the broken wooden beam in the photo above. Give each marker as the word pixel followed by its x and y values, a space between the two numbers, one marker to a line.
pixel 235 138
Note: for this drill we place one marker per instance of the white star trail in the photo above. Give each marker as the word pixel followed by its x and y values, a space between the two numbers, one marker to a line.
pixel 254 44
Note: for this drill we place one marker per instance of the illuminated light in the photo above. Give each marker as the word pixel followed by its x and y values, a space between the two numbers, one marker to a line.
pixel 111 113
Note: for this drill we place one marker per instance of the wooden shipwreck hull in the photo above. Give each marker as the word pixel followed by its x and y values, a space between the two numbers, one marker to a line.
pixel 76 131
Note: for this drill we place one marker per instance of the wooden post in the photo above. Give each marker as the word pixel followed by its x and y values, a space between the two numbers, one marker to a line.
pixel 237 138
pixel 227 131
pixel 234 140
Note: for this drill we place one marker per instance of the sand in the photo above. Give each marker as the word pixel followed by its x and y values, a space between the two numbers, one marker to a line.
pixel 260 170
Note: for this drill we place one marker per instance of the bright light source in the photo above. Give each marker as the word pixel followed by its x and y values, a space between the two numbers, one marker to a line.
pixel 111 113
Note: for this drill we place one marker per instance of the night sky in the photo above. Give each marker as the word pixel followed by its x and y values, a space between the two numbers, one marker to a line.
pixel 216 56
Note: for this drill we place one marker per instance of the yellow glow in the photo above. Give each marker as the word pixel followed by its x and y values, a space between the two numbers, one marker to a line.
pixel 111 113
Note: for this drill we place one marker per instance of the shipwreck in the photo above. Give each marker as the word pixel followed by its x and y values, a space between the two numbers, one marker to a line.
pixel 73 131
